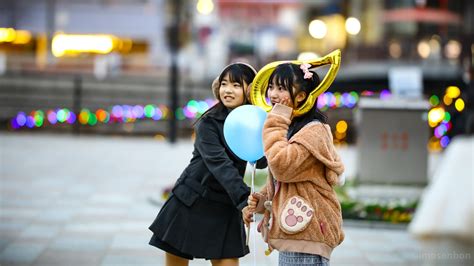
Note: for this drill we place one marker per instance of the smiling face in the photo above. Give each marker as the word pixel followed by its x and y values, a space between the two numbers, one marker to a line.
pixel 278 93
pixel 231 93
pixel 284 86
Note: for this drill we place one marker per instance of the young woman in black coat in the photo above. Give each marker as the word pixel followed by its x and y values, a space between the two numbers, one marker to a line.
pixel 202 217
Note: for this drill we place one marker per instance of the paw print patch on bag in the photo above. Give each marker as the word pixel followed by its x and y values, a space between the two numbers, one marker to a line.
pixel 296 215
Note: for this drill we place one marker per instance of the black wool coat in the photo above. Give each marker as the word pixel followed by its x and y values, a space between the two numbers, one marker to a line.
pixel 214 172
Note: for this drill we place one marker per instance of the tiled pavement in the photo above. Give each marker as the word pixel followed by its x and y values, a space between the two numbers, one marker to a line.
pixel 68 200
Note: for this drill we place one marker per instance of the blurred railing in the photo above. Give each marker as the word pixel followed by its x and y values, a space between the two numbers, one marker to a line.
pixel 130 65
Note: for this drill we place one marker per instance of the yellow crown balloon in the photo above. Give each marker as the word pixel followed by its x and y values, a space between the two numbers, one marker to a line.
pixel 260 83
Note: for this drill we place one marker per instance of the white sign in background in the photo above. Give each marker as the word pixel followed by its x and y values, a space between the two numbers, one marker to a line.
pixel 406 82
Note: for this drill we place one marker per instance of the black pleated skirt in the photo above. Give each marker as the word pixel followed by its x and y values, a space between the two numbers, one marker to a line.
pixel 208 229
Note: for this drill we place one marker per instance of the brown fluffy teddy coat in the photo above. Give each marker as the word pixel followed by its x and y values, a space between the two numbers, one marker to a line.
pixel 306 214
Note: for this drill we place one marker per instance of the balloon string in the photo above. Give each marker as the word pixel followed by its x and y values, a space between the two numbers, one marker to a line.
pixel 254 166
pixel 252 189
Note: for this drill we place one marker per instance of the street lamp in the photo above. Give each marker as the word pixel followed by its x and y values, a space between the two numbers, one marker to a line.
pixel 317 29
pixel 452 49
pixel 424 49
pixel 205 7
pixel 352 26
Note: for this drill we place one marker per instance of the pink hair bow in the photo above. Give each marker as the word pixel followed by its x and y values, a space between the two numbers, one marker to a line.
pixel 305 67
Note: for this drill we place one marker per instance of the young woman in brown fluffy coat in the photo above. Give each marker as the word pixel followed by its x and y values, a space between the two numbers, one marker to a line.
pixel 304 166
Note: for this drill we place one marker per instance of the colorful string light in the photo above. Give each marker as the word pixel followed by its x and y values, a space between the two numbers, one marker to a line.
pixel 115 114
pixel 129 114
pixel 438 117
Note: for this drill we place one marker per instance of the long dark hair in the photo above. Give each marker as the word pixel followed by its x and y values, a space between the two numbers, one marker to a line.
pixel 239 73
pixel 290 76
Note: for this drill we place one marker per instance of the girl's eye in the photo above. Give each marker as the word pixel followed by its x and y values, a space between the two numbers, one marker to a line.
pixel 237 85
pixel 223 83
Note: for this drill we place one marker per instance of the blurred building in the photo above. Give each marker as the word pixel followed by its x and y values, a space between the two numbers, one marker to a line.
pixel 376 37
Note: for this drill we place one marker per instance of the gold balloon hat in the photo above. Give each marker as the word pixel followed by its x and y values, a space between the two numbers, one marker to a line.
pixel 260 83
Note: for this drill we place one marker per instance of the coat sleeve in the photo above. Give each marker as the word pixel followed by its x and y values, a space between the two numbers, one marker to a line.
pixel 284 158
pixel 219 164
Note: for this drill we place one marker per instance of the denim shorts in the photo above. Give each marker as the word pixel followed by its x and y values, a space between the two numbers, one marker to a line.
pixel 296 258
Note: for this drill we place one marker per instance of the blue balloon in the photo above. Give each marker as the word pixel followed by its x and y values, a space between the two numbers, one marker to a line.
pixel 243 132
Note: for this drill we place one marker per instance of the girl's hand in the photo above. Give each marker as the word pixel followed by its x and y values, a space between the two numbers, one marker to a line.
pixel 247 216
pixel 253 201
pixel 256 202
pixel 286 101
pixel 251 208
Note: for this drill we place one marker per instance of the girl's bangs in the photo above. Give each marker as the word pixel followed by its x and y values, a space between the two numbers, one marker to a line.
pixel 235 74
pixel 283 77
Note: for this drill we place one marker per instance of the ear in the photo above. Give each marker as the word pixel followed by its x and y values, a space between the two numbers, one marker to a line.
pixel 247 92
pixel 215 88
pixel 300 97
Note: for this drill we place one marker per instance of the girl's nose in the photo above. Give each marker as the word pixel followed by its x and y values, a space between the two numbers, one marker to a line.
pixel 272 95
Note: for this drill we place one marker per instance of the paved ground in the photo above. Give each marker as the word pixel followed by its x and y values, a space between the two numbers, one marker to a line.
pixel 85 200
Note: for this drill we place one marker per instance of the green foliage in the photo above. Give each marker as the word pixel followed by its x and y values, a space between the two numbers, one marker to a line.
pixel 393 211
pixel 260 177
